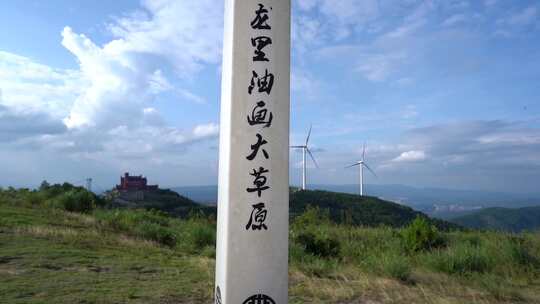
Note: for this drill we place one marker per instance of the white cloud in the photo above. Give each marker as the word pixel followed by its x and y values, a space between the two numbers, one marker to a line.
pixel 406 29
pixel 454 19
pixel 351 11
pixel 409 112
pixel 379 67
pixel 118 87
pixel 206 130
pixel 15 125
pixel 158 83
pixel 411 156
pixel 511 137
pixel 525 17
pixel 306 33
pixel 190 96
pixel 341 18
pixel 412 22
pixel 105 111
pixel 186 33
pixel 30 87
pixel 125 75
pixel 305 83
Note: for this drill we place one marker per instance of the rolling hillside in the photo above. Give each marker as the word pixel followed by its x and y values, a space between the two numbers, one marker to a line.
pixel 504 219
pixel 343 208
pixel 356 210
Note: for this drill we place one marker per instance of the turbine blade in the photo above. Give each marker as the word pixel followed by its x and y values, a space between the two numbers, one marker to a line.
pixel 370 170
pixel 364 151
pixel 357 164
pixel 296 147
pixel 313 158
pixel 309 134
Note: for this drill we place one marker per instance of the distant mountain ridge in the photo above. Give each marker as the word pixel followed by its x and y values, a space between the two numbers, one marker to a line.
pixel 503 219
pixel 206 195
pixel 423 199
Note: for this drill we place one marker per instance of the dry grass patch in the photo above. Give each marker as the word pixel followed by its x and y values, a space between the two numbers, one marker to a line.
pixel 136 242
pixel 361 288
pixel 48 231
pixel 87 220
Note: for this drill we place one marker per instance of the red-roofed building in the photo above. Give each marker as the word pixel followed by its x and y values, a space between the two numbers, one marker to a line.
pixel 135 183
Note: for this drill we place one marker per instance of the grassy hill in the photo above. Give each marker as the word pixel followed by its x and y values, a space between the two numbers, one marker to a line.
pixel 165 200
pixel 342 208
pixel 95 255
pixel 358 210
pixel 504 219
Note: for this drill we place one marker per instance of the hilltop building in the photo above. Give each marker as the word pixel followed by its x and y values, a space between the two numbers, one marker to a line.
pixel 133 187
pixel 134 183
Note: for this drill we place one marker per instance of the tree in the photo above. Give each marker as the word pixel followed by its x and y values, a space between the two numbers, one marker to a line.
pixel 44 185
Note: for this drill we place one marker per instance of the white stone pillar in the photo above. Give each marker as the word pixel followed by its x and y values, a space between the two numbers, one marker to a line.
pixel 253 200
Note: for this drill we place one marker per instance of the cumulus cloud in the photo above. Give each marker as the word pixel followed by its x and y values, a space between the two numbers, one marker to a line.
pixel 125 74
pixel 16 125
pixel 410 156
pixel 29 86
pixel 106 110
pixel 488 144
pixel 202 131
pixel 186 33
pixel 118 88
pixel 467 154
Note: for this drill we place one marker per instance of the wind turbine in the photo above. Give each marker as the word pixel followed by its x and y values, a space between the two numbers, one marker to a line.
pixel 305 149
pixel 362 164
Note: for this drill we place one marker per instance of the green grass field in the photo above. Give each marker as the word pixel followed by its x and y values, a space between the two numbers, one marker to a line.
pixel 49 255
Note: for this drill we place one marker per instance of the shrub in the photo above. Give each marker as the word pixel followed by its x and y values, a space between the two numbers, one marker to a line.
pixel 150 225
pixel 35 198
pixel 209 252
pixel 473 239
pixel 319 267
pixel 198 233
pixel 203 236
pixel 318 245
pixel 396 266
pixel 520 254
pixel 421 235
pixel 157 233
pixel 75 201
pixel 462 259
pixel 312 216
pixel 127 220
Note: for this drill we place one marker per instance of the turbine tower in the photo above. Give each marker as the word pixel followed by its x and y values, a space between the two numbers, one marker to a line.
pixel 305 149
pixel 89 184
pixel 362 163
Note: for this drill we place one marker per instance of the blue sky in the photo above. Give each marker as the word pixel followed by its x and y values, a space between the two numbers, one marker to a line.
pixel 445 93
